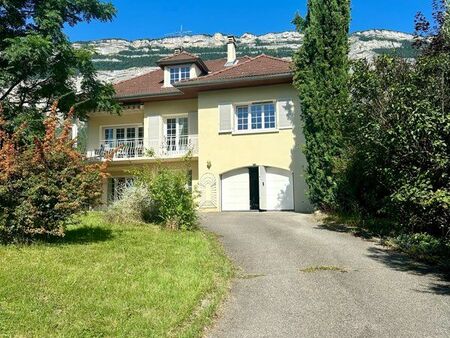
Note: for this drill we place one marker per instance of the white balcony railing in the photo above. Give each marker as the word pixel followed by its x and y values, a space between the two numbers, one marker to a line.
pixel 141 148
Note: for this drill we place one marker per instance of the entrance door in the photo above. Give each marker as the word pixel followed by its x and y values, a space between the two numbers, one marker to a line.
pixel 254 187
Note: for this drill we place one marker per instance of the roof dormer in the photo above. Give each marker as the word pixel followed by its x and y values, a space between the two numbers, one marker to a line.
pixel 181 66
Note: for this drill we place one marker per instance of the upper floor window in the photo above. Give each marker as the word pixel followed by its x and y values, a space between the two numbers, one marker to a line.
pixel 179 74
pixel 256 116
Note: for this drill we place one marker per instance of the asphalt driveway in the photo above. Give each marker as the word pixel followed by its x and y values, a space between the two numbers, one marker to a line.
pixel 299 279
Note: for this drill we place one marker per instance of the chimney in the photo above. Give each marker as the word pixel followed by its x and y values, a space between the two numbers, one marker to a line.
pixel 177 50
pixel 231 50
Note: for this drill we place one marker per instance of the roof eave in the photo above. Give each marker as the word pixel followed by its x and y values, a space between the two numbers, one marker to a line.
pixel 196 84
pixel 147 95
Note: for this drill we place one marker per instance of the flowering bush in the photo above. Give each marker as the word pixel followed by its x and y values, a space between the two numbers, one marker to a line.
pixel 43 184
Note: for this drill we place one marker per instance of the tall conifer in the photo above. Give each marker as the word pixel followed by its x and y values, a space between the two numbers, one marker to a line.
pixel 321 77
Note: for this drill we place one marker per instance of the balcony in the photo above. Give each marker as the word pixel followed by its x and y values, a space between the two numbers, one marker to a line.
pixel 142 148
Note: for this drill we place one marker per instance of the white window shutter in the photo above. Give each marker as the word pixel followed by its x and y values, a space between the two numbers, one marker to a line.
pixel 154 127
pixel 225 117
pixel 193 123
pixel 285 109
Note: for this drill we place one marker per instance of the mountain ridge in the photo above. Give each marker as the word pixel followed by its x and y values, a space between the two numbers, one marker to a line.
pixel 224 34
pixel 117 59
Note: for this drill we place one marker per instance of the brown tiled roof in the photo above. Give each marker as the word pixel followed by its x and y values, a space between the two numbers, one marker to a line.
pixel 262 65
pixel 146 84
pixel 219 64
pixel 151 84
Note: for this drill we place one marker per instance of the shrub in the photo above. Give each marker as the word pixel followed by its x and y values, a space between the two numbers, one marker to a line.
pixel 43 184
pixel 423 245
pixel 134 205
pixel 172 202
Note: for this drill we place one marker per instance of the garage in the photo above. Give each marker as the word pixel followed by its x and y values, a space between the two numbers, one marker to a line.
pixel 279 190
pixel 236 190
pixel 257 188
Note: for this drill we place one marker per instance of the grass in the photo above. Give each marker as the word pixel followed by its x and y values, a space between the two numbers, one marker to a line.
pixel 112 280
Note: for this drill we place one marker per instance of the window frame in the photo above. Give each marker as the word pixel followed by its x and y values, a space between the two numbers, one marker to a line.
pixel 137 127
pixel 251 120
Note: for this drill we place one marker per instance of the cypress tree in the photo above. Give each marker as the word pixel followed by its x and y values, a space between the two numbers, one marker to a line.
pixel 321 76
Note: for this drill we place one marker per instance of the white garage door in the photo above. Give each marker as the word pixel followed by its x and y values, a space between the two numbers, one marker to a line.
pixel 236 190
pixel 279 189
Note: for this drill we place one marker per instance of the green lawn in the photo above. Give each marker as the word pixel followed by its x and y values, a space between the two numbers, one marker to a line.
pixel 112 280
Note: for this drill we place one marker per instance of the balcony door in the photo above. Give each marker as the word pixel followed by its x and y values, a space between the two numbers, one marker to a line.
pixel 176 134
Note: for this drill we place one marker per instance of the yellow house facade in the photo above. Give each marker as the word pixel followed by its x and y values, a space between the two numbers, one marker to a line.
pixel 238 118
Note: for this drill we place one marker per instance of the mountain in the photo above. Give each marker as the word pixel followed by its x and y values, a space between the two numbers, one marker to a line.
pixel 118 59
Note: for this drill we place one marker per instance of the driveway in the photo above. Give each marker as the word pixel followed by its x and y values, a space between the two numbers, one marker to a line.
pixel 283 288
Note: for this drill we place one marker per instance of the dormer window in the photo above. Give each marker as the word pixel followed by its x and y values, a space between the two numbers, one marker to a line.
pixel 179 74
pixel 181 66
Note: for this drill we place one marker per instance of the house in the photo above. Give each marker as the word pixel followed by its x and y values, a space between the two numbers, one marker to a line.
pixel 238 118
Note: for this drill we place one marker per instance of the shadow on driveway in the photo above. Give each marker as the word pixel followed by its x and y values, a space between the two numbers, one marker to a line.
pixel 397 260
pixel 400 262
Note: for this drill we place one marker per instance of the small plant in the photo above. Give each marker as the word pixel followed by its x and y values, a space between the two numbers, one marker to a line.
pixel 312 269
pixel 423 245
pixel 134 206
pixel 172 202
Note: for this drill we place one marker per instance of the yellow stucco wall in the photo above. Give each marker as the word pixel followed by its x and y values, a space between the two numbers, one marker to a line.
pixel 164 108
pixel 224 151
pixel 229 151
pixel 174 107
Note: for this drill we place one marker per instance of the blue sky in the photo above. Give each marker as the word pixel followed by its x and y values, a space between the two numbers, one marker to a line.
pixel 156 18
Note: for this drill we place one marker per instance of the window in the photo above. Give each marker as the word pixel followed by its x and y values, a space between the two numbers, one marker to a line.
pixel 109 133
pixel 109 136
pixel 242 117
pixel 179 74
pixel 131 133
pixel 120 134
pixel 171 134
pixel 130 139
pixel 256 116
pixel 177 134
pixel 269 115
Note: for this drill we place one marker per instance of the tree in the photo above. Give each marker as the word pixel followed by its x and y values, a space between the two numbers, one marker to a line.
pixel 398 135
pixel 321 77
pixel 432 37
pixel 38 64
pixel 43 184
